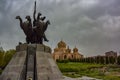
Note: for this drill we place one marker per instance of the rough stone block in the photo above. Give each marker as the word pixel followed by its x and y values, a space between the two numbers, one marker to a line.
pixel 47 49
pixel 22 47
pixel 40 47
pixel 45 67
pixel 15 67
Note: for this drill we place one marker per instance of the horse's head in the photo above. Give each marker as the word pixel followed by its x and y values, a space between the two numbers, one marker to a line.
pixel 17 17
pixel 38 17
pixel 48 22
pixel 28 17
pixel 39 14
pixel 43 18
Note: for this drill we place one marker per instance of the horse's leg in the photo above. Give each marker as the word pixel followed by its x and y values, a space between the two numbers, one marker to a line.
pixel 44 37
pixel 41 40
pixel 34 37
pixel 27 40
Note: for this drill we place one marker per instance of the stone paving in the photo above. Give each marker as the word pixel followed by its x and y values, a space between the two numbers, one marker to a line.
pixel 81 78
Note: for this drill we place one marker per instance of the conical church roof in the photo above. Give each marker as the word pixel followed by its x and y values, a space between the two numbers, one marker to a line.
pixel 75 49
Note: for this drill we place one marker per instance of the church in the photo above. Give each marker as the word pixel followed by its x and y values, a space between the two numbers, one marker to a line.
pixel 61 52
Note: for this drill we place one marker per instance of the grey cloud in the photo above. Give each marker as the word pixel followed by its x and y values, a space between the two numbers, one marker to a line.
pixel 90 29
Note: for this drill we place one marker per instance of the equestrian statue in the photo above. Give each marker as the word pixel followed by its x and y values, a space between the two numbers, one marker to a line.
pixel 34 32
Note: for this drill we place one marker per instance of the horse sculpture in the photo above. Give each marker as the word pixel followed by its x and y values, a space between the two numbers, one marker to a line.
pixel 26 27
pixel 35 33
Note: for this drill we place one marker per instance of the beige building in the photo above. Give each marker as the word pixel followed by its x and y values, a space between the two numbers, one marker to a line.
pixel 63 53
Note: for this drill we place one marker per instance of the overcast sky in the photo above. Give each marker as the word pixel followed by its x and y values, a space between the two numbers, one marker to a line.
pixel 91 25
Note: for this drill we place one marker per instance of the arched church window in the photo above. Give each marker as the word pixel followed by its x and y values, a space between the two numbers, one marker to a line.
pixel 65 57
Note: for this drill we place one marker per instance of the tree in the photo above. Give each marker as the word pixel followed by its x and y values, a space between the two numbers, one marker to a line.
pixel 118 60
pixel 8 56
pixel 1 58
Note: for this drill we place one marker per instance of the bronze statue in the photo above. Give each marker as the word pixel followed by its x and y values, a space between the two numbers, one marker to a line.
pixel 30 31
pixel 35 33
pixel 41 25
pixel 26 27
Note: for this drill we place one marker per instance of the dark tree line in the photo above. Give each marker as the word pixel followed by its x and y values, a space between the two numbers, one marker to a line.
pixel 5 57
pixel 100 60
pixel 96 59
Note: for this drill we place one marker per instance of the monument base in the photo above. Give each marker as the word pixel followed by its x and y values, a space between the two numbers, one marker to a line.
pixel 32 62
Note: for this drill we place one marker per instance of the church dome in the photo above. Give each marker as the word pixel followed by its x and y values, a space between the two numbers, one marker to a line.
pixel 75 50
pixel 61 44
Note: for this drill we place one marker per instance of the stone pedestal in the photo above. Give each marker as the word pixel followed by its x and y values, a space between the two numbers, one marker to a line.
pixel 46 66
pixel 32 62
pixel 16 68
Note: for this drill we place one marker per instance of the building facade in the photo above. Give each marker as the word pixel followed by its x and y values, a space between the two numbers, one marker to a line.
pixel 111 54
pixel 61 52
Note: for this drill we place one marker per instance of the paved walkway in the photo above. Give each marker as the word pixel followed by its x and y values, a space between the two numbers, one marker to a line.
pixel 81 78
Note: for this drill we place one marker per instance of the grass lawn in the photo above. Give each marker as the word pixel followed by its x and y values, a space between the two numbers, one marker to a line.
pixel 76 69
